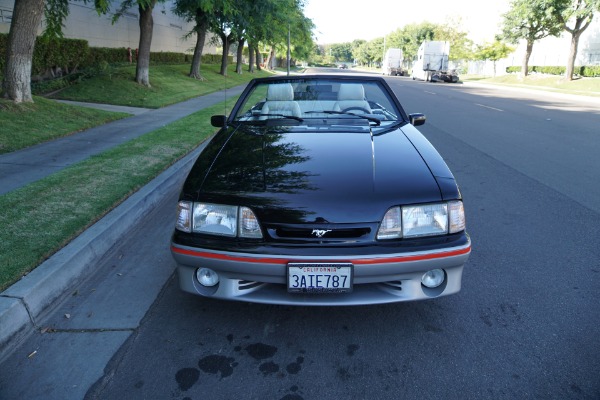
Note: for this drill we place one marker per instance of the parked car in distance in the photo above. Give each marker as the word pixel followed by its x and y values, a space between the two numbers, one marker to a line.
pixel 319 190
pixel 342 66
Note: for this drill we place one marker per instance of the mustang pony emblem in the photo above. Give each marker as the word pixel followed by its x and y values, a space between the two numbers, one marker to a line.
pixel 320 232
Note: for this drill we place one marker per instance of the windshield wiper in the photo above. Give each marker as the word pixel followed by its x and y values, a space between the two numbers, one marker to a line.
pixel 376 121
pixel 278 115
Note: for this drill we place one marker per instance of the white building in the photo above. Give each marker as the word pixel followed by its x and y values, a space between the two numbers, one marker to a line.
pixel 83 22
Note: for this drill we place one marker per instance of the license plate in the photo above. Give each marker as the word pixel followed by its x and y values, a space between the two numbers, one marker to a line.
pixel 319 278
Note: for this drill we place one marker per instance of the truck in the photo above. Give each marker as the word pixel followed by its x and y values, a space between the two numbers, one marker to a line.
pixel 431 63
pixel 392 62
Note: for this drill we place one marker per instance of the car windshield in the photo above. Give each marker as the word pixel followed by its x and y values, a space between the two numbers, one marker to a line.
pixel 320 104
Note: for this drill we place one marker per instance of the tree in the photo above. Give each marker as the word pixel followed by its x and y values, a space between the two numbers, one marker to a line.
pixel 530 20
pixel 222 28
pixel 375 49
pixel 199 12
pixel 256 32
pixel 26 19
pixel 342 51
pixel 580 14
pixel 27 16
pixel 146 22
pixel 301 29
pixel 268 23
pixel 461 47
pixel 361 54
pixel 242 21
pixel 410 37
pixel 493 51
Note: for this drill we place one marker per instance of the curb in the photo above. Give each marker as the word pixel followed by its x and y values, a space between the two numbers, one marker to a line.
pixel 27 301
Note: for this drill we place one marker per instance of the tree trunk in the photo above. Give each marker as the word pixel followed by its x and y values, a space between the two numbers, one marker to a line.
pixel 581 24
pixel 142 73
pixel 525 64
pixel 224 60
pixel 271 60
pixel 201 27
pixel 251 58
pixel 16 84
pixel 240 50
pixel 572 55
pixel 259 58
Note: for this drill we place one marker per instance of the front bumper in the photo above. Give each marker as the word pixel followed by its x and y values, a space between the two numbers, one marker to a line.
pixel 377 279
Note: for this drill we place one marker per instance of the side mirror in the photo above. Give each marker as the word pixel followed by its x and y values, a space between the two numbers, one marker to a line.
pixel 218 121
pixel 417 119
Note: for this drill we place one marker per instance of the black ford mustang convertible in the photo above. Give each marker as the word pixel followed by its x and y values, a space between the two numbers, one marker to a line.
pixel 319 190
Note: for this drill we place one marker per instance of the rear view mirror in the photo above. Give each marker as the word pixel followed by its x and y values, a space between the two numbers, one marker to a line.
pixel 218 121
pixel 417 119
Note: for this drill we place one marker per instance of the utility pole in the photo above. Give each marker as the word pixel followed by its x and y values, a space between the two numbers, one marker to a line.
pixel 383 55
pixel 289 54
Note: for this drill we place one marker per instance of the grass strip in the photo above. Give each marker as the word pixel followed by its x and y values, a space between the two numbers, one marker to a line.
pixel 39 219
pixel 170 84
pixel 583 86
pixel 26 124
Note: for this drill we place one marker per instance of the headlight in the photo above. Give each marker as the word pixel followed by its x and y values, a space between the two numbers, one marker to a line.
pixel 425 220
pixel 422 220
pixel 217 219
pixel 214 218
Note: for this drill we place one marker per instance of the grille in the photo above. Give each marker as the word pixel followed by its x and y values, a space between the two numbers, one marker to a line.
pixel 391 286
pixel 248 285
pixel 312 233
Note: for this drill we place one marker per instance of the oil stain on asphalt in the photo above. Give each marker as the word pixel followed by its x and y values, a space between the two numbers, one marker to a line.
pixel 223 366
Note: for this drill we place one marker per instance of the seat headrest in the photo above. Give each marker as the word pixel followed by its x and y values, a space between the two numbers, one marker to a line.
pixel 280 92
pixel 351 91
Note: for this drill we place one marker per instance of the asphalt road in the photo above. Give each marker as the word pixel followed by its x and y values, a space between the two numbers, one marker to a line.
pixel 525 324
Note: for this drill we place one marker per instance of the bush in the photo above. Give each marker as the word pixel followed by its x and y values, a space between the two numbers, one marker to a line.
pixel 587 71
pixel 165 57
pixel 111 55
pixel 590 71
pixel 71 54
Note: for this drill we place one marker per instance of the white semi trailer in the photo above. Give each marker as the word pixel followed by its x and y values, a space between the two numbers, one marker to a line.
pixel 432 63
pixel 392 62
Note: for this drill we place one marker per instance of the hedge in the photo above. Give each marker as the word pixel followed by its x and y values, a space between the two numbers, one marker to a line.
pixel 587 71
pixel 71 54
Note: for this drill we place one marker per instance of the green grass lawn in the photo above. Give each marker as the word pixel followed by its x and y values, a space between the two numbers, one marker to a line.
pixel 23 125
pixel 582 86
pixel 169 84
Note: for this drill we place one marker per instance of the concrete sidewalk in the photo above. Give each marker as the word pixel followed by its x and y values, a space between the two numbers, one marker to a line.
pixel 27 302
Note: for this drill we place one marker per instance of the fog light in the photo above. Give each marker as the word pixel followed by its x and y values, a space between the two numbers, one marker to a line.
pixel 207 277
pixel 433 278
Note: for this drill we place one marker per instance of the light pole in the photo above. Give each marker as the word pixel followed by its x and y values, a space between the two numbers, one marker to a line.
pixel 289 54
pixel 383 55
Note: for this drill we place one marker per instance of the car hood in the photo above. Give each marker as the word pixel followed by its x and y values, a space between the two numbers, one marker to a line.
pixel 292 177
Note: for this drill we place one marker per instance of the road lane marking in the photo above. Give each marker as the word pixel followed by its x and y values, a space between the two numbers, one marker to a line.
pixel 491 108
pixel 429 92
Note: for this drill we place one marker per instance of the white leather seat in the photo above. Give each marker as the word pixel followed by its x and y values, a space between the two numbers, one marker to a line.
pixel 352 95
pixel 280 100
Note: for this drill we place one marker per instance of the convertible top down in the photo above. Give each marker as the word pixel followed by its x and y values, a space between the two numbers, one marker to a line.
pixel 319 190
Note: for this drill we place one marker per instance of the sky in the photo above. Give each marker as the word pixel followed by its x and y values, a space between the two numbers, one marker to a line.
pixel 339 21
